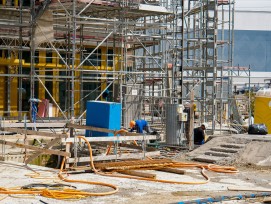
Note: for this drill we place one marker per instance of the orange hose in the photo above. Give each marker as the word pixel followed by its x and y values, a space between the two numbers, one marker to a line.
pixel 88 182
pixel 140 178
pixel 210 167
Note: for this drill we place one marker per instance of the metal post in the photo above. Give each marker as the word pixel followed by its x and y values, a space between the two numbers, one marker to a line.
pixel 249 96
pixel 182 57
pixel 32 55
pixel 20 62
pixel 72 81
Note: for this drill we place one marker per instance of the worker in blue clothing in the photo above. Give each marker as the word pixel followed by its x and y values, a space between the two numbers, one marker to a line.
pixel 140 126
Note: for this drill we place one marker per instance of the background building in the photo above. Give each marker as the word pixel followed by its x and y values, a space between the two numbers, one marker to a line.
pixel 252 40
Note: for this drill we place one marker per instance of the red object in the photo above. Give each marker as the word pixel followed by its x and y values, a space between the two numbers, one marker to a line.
pixel 43 109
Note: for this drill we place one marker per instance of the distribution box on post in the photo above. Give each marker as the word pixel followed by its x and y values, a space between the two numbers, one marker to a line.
pixel 103 114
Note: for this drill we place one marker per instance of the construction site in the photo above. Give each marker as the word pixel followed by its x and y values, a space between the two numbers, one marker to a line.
pixel 129 101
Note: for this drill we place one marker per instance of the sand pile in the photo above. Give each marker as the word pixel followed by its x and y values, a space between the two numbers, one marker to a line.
pixel 256 153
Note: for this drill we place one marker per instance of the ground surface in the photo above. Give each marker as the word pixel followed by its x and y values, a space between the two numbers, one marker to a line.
pixel 141 192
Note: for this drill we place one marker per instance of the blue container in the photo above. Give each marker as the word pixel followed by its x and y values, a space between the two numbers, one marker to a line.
pixel 103 114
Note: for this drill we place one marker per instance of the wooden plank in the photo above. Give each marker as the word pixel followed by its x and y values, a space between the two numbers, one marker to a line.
pixel 33 132
pixel 36 154
pixel 138 173
pixel 85 127
pixel 38 125
pixel 112 157
pixel 46 151
pixel 132 146
pixel 90 128
pixel 18 137
pixel 117 165
pixel 255 189
pixel 112 139
pixel 172 170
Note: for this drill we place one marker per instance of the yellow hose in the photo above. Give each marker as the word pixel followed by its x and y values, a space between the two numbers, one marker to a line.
pixel 211 167
pixel 66 193
pixel 215 168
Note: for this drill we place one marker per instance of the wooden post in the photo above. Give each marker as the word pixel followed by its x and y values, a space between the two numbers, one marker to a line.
pixel 191 129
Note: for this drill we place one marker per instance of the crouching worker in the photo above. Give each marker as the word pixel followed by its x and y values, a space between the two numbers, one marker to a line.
pixel 199 134
pixel 140 126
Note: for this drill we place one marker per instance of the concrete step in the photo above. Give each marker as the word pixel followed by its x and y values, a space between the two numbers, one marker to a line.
pixel 218 154
pixel 226 150
pixel 235 146
pixel 207 159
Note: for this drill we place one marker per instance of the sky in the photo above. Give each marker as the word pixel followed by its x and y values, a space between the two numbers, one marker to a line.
pixel 254 5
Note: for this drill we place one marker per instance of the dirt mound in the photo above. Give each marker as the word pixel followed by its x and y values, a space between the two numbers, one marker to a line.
pixel 256 153
pixel 238 150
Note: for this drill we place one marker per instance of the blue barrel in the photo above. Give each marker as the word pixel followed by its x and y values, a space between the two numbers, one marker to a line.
pixel 103 114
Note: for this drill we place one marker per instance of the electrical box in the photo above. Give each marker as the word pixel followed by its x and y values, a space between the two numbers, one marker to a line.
pixel 183 117
pixel 103 114
pixel 180 108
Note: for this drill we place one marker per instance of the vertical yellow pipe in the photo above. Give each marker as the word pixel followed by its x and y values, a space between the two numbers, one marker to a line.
pixel 14 96
pixel 55 90
pixel 16 2
pixel 2 91
pixel 42 59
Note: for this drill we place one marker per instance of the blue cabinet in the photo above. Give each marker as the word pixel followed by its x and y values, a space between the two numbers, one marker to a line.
pixel 103 114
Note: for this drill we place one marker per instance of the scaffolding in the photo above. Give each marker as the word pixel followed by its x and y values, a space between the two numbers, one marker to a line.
pixel 145 53
pixel 207 50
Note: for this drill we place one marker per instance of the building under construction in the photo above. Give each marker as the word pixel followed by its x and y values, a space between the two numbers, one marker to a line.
pixel 146 54
pixel 76 76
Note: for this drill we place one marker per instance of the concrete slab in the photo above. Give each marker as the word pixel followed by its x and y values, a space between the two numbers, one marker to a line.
pixel 218 154
pixel 130 190
pixel 207 158
pixel 226 150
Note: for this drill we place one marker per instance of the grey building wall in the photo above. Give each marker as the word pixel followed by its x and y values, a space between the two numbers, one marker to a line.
pixel 252 47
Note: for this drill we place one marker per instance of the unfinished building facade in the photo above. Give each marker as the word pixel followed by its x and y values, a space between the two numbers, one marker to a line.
pixel 143 54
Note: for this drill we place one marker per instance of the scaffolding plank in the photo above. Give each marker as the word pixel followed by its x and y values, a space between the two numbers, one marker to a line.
pixel 46 151
pixel 117 165
pixel 112 157
pixel 33 132
pixel 112 139
pixel 37 125
pixel 85 127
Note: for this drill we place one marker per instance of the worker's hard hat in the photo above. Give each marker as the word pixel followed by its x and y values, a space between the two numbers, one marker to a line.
pixel 205 125
pixel 132 123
